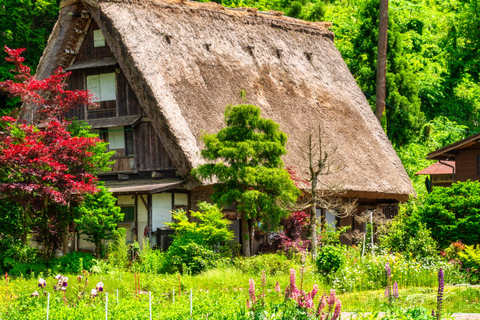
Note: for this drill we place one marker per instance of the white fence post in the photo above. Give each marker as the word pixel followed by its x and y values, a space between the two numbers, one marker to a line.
pixel 117 296
pixel 106 305
pixel 48 305
pixel 191 310
pixel 150 303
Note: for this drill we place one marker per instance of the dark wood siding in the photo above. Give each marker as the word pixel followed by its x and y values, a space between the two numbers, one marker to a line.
pixel 88 51
pixel 149 151
pixel 127 102
pixel 75 82
pixel 466 163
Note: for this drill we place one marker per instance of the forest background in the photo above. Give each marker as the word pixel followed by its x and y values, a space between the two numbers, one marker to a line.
pixel 433 61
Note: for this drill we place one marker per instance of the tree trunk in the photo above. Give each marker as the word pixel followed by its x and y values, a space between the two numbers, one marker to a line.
pixel 313 220
pixel 381 60
pixel 251 235
pixel 98 246
pixel 245 235
pixel 24 226
pixel 65 239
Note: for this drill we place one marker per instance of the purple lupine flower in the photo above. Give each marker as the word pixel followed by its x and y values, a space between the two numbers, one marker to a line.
pixel 34 294
pixel 277 287
pixel 42 283
pixel 395 290
pixel 386 292
pixel 441 287
pixel 388 271
pixel 251 290
pixel 338 309
pixel 99 287
pixel 433 313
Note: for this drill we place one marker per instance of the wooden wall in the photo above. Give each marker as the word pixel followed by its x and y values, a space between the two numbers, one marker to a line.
pixel 466 163
pixel 88 51
pixel 151 155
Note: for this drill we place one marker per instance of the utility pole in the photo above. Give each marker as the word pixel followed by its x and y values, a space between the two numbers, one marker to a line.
pixel 381 60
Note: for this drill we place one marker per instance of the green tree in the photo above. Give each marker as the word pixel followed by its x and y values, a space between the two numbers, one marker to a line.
pixel 453 213
pixel 98 218
pixel 245 159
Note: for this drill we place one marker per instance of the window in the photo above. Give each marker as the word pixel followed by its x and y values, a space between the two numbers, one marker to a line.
pixel 98 39
pixel 129 151
pixel 118 138
pixel 129 213
pixel 102 86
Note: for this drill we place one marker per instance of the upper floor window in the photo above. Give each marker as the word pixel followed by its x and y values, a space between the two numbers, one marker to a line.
pixel 102 86
pixel 98 39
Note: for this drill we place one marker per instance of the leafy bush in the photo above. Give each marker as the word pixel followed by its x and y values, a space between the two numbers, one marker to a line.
pixel 453 213
pixel 73 262
pixel 118 250
pixel 453 250
pixel 149 260
pixel 189 257
pixel 406 234
pixel 26 269
pixel 192 250
pixel 272 264
pixel 470 257
pixel 330 259
pixel 18 254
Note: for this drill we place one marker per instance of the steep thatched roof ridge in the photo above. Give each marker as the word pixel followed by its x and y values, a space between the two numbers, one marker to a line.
pixel 187 61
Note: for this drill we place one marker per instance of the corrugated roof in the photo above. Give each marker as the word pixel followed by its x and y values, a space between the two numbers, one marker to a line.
pixel 444 167
pixel 143 185
pixel 95 63
pixel 113 122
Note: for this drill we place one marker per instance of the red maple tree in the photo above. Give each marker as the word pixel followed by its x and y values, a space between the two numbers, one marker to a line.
pixel 43 163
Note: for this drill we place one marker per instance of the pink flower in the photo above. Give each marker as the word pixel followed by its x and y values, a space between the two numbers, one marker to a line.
pixel 251 291
pixel 248 304
pixel 321 304
pixel 338 309
pixel 277 287
pixel 314 292
pixel 292 279
pixel 331 298
pixel 295 293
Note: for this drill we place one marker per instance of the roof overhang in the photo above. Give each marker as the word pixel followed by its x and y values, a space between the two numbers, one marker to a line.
pixel 143 186
pixel 445 167
pixel 114 122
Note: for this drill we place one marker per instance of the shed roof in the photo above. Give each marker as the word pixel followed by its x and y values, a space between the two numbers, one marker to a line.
pixel 143 185
pixel 186 61
pixel 440 167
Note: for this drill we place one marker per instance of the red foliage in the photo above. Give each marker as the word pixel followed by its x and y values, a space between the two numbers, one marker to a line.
pixel 297 180
pixel 295 227
pixel 45 163
pixel 49 94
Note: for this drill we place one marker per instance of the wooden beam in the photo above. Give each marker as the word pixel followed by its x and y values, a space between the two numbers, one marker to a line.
pixel 144 202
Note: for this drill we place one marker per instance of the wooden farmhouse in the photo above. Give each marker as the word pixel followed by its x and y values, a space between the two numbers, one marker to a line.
pixel 163 72
pixel 459 161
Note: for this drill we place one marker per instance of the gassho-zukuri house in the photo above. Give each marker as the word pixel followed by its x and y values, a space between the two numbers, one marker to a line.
pixel 163 72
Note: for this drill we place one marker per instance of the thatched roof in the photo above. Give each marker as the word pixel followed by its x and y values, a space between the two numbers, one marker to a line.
pixel 186 61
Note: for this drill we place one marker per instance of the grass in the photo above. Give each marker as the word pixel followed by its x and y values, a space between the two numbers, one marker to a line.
pixel 232 284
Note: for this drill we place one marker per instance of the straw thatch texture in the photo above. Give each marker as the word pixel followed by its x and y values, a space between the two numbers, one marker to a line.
pixel 187 61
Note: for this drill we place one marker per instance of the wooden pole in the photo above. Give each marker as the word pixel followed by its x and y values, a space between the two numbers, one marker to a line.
pixel 382 60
